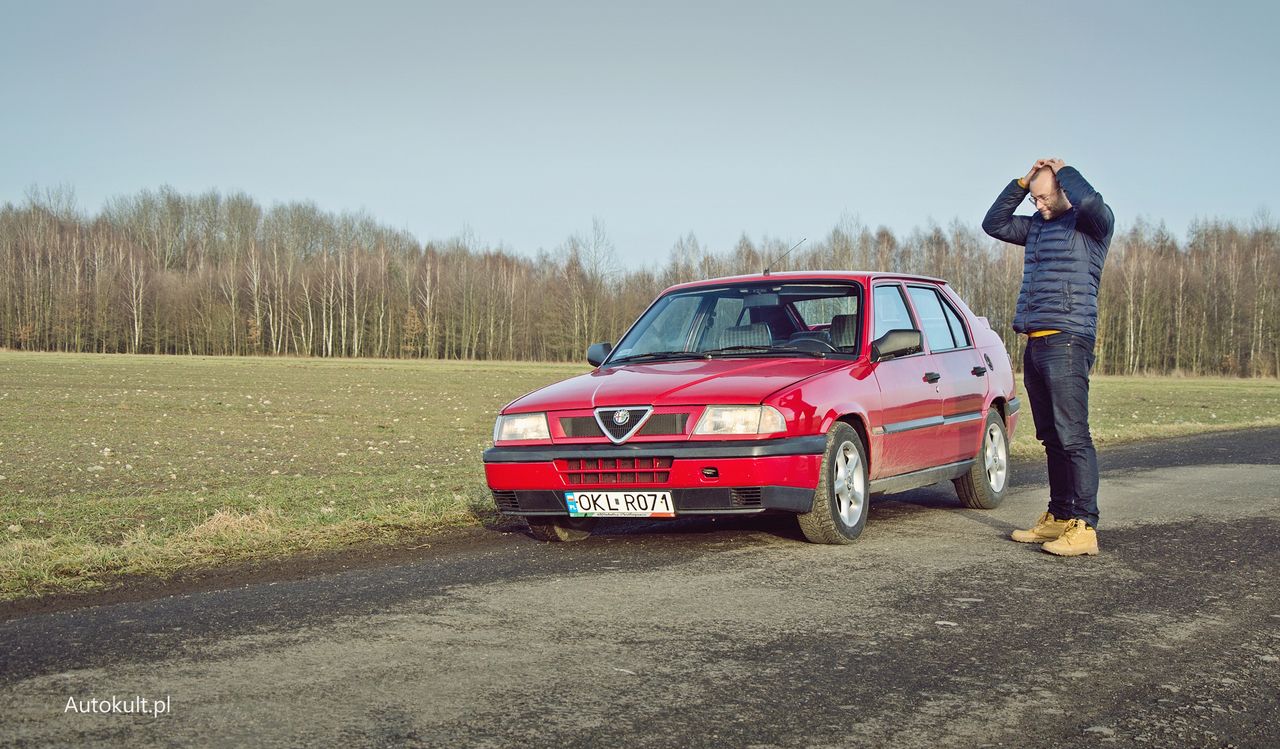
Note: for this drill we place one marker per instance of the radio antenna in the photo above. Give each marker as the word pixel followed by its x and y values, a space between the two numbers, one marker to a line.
pixel 784 255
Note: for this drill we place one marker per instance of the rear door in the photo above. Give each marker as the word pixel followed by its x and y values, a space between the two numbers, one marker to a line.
pixel 911 406
pixel 963 384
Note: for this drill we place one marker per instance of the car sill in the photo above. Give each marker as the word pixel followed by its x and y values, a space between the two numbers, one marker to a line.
pixel 916 479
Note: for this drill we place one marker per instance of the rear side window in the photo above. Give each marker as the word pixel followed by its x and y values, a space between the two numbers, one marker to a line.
pixel 957 327
pixel 890 311
pixel 941 326
pixel 816 312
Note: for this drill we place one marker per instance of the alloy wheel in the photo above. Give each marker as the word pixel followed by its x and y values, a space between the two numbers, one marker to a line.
pixel 850 485
pixel 996 456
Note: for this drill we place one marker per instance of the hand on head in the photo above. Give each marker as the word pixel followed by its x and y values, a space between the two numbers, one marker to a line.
pixel 1046 194
pixel 1052 165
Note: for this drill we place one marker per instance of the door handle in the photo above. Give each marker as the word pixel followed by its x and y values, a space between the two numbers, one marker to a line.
pixel 932 377
pixel 979 371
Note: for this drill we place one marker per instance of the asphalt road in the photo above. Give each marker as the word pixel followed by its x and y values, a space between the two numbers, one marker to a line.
pixel 932 630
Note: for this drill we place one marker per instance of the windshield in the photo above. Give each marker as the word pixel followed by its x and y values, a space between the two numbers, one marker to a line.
pixel 760 319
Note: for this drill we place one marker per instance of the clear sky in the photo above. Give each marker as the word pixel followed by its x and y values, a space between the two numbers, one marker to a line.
pixel 522 122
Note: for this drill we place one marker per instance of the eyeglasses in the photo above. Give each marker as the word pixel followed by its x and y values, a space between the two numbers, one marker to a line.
pixel 1035 202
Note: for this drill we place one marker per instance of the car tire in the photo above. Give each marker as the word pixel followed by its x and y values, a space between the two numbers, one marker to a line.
pixel 984 486
pixel 843 497
pixel 555 528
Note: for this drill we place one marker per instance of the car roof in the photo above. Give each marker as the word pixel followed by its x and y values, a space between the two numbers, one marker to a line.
pixel 806 275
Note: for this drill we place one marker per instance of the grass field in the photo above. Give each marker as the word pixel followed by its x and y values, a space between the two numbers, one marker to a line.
pixel 119 465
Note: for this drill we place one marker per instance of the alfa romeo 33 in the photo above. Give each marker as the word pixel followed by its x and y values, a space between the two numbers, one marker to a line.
pixel 804 392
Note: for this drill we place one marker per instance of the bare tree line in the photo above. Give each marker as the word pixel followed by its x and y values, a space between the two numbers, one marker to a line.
pixel 211 274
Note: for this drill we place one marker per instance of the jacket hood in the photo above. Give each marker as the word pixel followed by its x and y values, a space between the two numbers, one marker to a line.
pixel 676 383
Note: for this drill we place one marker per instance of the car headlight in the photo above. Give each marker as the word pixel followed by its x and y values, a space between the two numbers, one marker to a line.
pixel 740 420
pixel 521 427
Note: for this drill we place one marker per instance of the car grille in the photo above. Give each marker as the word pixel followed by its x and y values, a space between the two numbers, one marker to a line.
pixel 745 497
pixel 620 432
pixel 506 500
pixel 615 470
pixel 658 424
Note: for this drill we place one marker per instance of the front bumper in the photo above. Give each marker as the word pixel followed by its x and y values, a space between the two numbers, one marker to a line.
pixel 704 477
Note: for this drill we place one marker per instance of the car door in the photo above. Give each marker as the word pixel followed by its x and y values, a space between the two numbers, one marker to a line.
pixel 911 406
pixel 962 383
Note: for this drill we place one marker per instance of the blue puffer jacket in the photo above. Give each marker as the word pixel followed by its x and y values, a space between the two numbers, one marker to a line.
pixel 1062 265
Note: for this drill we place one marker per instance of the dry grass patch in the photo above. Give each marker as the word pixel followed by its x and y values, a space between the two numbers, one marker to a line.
pixel 128 465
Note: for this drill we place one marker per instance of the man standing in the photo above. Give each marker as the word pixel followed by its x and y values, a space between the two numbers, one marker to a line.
pixel 1066 243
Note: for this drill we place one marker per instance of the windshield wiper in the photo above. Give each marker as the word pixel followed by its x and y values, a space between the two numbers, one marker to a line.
pixel 659 356
pixel 764 350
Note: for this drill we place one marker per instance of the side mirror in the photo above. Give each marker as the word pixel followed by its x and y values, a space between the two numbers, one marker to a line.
pixel 895 343
pixel 598 352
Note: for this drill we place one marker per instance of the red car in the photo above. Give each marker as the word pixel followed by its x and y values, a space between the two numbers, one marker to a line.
pixel 801 392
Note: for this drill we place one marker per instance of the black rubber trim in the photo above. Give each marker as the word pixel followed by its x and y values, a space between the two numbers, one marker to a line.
pixel 790 498
pixel 916 479
pixel 907 426
pixel 930 421
pixel 1013 405
pixel 810 445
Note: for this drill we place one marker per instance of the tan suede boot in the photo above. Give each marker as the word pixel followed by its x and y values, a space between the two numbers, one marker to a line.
pixel 1046 528
pixel 1077 539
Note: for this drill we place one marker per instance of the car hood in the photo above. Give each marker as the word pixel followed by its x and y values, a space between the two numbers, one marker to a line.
pixel 676 383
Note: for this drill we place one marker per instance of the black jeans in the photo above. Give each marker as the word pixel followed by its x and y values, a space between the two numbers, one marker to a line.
pixel 1055 371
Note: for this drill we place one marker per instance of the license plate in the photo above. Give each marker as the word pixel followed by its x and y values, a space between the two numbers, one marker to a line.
pixel 620 504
